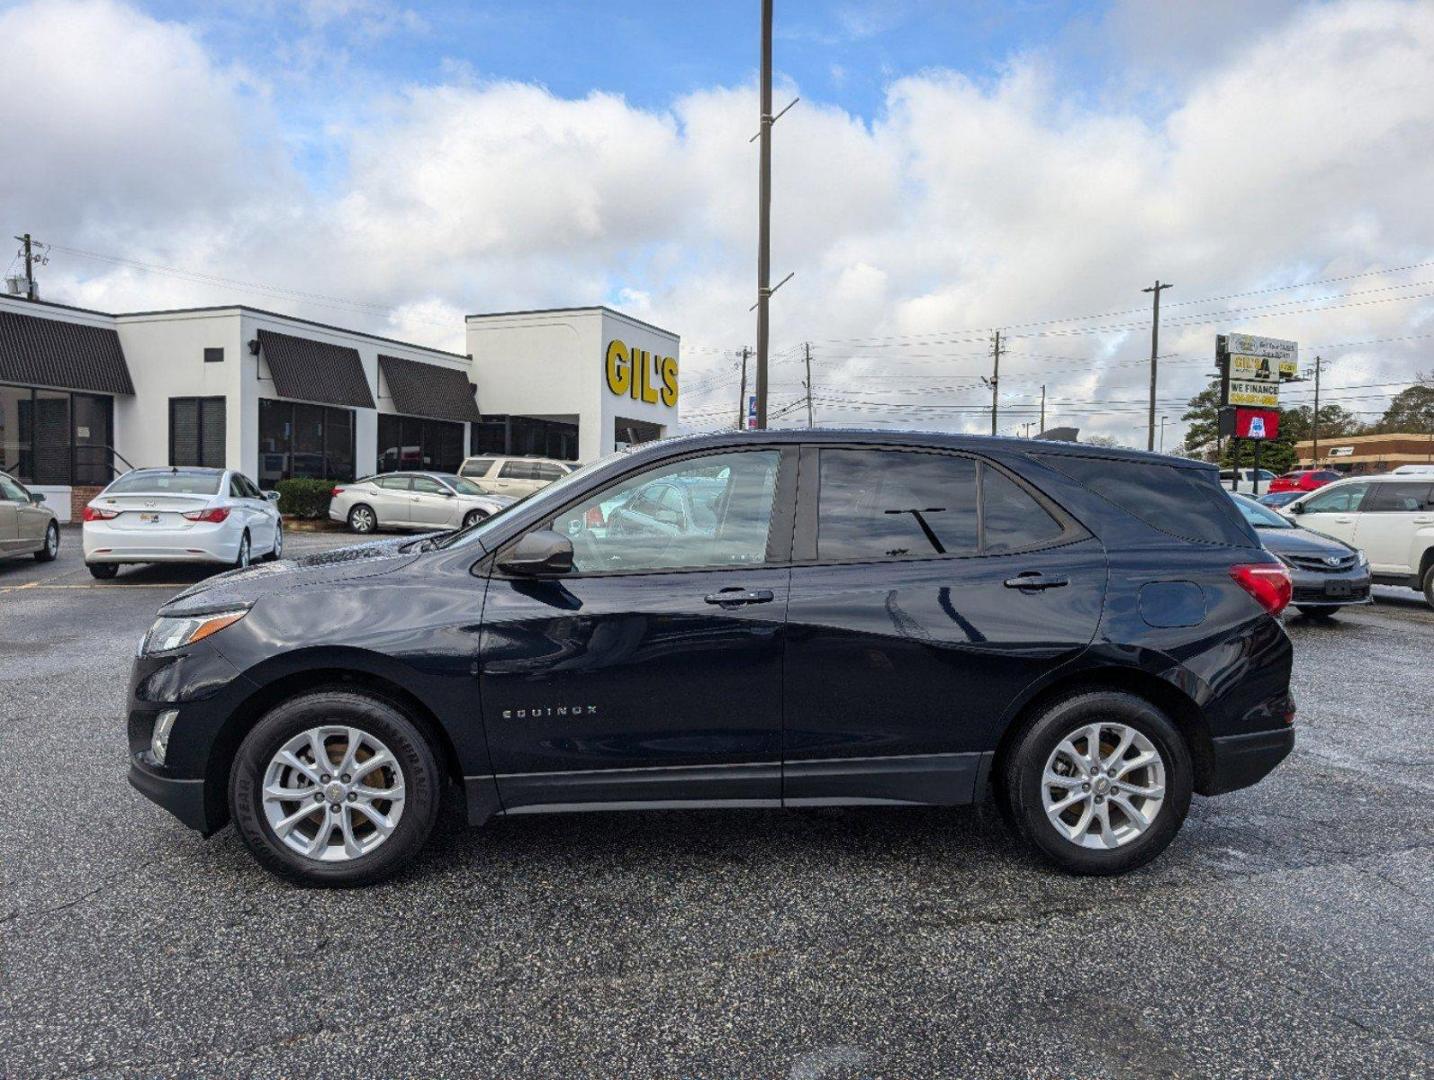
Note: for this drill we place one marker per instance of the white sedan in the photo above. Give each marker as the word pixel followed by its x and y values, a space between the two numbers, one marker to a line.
pixel 180 515
pixel 428 501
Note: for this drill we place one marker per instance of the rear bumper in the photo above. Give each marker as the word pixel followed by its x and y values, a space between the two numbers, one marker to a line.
pixel 1238 761
pixel 212 544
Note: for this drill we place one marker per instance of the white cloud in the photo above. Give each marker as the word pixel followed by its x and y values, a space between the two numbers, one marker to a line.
pixel 1299 151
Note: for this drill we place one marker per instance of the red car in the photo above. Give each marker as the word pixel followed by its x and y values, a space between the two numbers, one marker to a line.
pixel 1303 480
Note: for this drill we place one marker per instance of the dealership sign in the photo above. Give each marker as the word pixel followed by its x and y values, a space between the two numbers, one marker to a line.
pixel 638 374
pixel 1253 368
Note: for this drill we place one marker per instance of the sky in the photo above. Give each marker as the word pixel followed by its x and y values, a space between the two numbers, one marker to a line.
pixel 950 169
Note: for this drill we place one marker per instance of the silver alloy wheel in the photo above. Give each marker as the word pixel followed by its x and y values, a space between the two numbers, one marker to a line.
pixel 243 560
pixel 333 793
pixel 278 552
pixel 361 520
pixel 473 518
pixel 52 540
pixel 1103 785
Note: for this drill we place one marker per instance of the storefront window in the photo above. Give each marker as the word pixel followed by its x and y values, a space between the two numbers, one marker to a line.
pixel 297 440
pixel 526 436
pixel 56 437
pixel 406 442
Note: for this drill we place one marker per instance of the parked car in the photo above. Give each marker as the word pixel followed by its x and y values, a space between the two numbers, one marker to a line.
pixel 27 526
pixel 1277 499
pixel 191 515
pixel 1087 635
pixel 1304 480
pixel 1389 517
pixel 1246 479
pixel 412 500
pixel 515 476
pixel 1326 574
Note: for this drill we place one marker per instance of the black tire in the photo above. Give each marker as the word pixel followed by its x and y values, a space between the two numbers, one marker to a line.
pixel 374 716
pixel 245 555
pixel 1026 761
pixel 1318 614
pixel 362 519
pixel 473 517
pixel 51 547
pixel 103 571
pixel 277 551
pixel 1429 585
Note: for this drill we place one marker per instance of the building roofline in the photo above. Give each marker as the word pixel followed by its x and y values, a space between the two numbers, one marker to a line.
pixel 248 309
pixel 602 308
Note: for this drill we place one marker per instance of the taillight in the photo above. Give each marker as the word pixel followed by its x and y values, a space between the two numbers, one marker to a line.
pixel 215 514
pixel 336 492
pixel 1268 583
pixel 92 514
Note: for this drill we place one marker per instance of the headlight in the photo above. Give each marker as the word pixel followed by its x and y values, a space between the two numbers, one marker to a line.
pixel 1363 558
pixel 167 634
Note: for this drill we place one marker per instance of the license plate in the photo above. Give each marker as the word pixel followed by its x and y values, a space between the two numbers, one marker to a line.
pixel 149 519
pixel 1337 588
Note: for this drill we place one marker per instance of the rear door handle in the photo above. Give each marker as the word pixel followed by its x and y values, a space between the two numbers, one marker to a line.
pixel 1032 580
pixel 736 597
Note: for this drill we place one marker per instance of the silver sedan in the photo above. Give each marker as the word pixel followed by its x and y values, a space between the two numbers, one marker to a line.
pixel 412 500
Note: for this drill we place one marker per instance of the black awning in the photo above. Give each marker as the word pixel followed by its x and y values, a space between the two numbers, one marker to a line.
pixel 420 389
pixel 311 370
pixel 73 356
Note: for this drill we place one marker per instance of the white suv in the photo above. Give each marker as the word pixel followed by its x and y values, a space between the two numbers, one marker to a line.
pixel 513 476
pixel 1389 517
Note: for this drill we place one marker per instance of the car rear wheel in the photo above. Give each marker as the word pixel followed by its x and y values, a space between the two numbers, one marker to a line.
pixel 1099 782
pixel 1318 614
pixel 103 570
pixel 51 547
pixel 362 519
pixel 473 517
pixel 241 560
pixel 334 788
pixel 1429 585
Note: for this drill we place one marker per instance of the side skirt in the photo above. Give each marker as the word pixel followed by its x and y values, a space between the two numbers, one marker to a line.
pixel 914 780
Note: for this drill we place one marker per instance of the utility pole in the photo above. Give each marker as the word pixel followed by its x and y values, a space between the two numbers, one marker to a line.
pixel 995 380
pixel 764 215
pixel 1043 409
pixel 742 394
pixel 1162 433
pixel 29 266
pixel 808 384
pixel 1314 422
pixel 1157 288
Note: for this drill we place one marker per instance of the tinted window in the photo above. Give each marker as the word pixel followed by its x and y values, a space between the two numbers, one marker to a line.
pixel 393 483
pixel 542 470
pixel 1261 517
pixel 879 504
pixel 12 491
pixel 1397 499
pixel 1180 502
pixel 610 533
pixel 170 481
pixel 1338 500
pixel 517 470
pixel 427 485
pixel 476 467
pixel 1012 519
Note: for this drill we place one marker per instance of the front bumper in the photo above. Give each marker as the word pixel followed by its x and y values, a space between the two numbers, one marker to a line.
pixel 1238 761
pixel 1315 589
pixel 182 798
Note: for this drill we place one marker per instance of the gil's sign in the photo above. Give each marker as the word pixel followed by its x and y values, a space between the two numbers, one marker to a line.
pixel 1253 368
pixel 638 374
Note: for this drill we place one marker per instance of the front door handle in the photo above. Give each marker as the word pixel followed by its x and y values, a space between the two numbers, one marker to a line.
pixel 736 597
pixel 1033 580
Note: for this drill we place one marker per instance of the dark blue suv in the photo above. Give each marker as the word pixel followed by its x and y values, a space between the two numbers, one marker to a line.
pixel 758 619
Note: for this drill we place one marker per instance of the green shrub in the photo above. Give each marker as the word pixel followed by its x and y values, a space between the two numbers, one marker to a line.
pixel 304 498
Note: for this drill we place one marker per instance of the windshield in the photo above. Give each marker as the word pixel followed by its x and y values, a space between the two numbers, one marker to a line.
pixel 168 481
pixel 1261 517
pixel 460 484
pixel 553 494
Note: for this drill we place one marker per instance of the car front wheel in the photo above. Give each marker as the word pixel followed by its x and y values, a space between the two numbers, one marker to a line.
pixel 334 788
pixel 1099 782
pixel 51 547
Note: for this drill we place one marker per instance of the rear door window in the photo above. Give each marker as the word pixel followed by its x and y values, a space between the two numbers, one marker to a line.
pixel 478 467
pixel 891 504
pixel 517 470
pixel 1399 498
pixel 1011 518
pixel 1176 501
pixel 394 483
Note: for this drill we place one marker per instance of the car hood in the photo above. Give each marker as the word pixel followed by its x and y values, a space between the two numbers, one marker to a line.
pixel 321 568
pixel 1298 541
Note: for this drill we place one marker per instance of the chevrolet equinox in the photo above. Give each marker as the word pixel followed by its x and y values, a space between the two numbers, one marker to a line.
pixel 758 619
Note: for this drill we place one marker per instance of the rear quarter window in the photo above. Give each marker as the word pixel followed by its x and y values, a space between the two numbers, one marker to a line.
pixel 1178 502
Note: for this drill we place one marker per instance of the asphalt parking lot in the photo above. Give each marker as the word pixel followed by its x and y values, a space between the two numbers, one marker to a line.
pixel 1288 931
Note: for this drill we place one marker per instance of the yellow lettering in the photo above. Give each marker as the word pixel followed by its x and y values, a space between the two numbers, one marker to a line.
pixel 650 366
pixel 639 372
pixel 669 380
pixel 619 367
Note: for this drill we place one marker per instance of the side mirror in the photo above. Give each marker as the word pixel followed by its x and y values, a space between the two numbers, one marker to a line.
pixel 272 496
pixel 36 497
pixel 541 553
pixel 1297 508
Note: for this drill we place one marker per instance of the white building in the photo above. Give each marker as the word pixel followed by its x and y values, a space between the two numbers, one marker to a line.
pixel 85 393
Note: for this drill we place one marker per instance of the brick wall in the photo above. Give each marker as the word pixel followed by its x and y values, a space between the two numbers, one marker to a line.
pixel 81 494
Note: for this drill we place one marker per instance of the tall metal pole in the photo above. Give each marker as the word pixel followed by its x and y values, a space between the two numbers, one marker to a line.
pixel 1157 288
pixel 1314 423
pixel 808 384
pixel 764 215
pixel 29 266
pixel 742 394
pixel 1043 409
pixel 995 376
